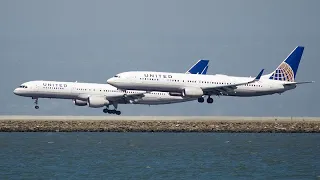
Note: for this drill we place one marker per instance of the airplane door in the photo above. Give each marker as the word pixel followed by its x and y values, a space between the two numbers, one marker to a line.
pixel 36 88
pixel 73 88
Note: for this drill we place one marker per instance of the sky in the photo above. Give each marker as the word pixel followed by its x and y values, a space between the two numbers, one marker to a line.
pixel 91 41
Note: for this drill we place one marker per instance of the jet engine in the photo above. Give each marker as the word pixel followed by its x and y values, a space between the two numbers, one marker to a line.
pixel 192 92
pixel 176 94
pixel 97 101
pixel 78 102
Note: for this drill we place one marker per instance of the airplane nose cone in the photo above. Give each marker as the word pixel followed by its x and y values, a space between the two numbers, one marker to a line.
pixel 15 92
pixel 110 81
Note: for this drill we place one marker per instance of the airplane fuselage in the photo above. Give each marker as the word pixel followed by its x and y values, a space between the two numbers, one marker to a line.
pixel 177 82
pixel 81 91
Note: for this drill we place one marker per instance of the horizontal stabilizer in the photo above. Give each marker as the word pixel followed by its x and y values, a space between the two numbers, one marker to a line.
pixel 304 82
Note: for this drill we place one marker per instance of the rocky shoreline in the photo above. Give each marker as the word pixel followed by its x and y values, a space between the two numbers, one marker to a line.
pixel 276 126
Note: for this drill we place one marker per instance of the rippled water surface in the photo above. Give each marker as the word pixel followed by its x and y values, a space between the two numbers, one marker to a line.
pixel 159 156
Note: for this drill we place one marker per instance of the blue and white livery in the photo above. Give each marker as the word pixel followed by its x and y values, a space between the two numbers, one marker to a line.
pixel 101 95
pixel 195 85
pixel 200 67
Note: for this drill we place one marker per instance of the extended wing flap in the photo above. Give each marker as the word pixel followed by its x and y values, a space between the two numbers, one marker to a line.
pixel 134 95
pixel 128 96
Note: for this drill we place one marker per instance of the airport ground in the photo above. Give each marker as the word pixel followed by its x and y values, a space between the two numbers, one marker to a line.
pixel 159 124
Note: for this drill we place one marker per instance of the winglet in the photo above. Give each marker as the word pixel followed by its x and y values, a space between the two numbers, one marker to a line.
pixel 259 75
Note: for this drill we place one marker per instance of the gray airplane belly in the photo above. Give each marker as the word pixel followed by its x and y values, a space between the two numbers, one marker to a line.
pixel 158 88
pixel 248 93
pixel 162 100
pixel 149 86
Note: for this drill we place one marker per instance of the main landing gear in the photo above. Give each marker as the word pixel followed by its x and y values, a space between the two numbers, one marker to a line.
pixel 112 111
pixel 209 100
pixel 200 99
pixel 36 103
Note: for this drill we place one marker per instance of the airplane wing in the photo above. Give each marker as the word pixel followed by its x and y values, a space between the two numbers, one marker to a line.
pixel 128 97
pixel 225 88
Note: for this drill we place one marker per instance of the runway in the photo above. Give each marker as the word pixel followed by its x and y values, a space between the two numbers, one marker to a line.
pixel 158 124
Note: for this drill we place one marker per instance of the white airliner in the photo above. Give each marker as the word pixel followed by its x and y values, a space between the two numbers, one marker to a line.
pixel 193 85
pixel 101 95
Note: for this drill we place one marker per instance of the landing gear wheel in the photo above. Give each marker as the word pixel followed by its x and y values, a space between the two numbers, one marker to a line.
pixel 209 100
pixel 111 111
pixel 201 100
pixel 37 107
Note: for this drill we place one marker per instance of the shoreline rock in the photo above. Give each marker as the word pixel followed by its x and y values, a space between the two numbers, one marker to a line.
pixel 159 126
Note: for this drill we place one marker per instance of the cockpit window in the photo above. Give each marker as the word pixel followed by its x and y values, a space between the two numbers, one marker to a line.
pixel 117 76
pixel 23 86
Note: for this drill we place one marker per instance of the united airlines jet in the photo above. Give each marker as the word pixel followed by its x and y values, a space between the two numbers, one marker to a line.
pixel 198 86
pixel 101 95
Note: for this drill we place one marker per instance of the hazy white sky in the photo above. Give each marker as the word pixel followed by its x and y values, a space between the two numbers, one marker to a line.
pixel 91 41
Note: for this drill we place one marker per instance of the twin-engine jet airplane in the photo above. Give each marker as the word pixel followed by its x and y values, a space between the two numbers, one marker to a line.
pixel 197 86
pixel 101 95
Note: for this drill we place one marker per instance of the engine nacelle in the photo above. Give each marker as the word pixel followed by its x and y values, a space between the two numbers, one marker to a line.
pixel 97 101
pixel 192 92
pixel 176 94
pixel 78 102
pixel 83 97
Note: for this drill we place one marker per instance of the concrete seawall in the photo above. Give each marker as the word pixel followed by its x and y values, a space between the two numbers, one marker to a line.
pixel 158 124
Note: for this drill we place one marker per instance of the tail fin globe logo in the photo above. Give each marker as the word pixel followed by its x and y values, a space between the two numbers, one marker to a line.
pixel 283 73
pixel 287 70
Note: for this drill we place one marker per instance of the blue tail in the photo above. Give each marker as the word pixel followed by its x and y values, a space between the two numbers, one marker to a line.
pixel 200 67
pixel 205 70
pixel 287 70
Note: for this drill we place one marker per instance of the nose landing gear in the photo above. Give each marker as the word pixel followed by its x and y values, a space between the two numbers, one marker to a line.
pixel 36 103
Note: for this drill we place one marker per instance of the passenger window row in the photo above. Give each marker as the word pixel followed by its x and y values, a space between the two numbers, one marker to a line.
pixel 150 79
pixel 203 82
pixel 105 90
pixel 52 88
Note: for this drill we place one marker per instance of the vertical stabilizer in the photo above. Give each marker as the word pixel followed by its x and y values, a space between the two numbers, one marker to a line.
pixel 200 67
pixel 287 70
